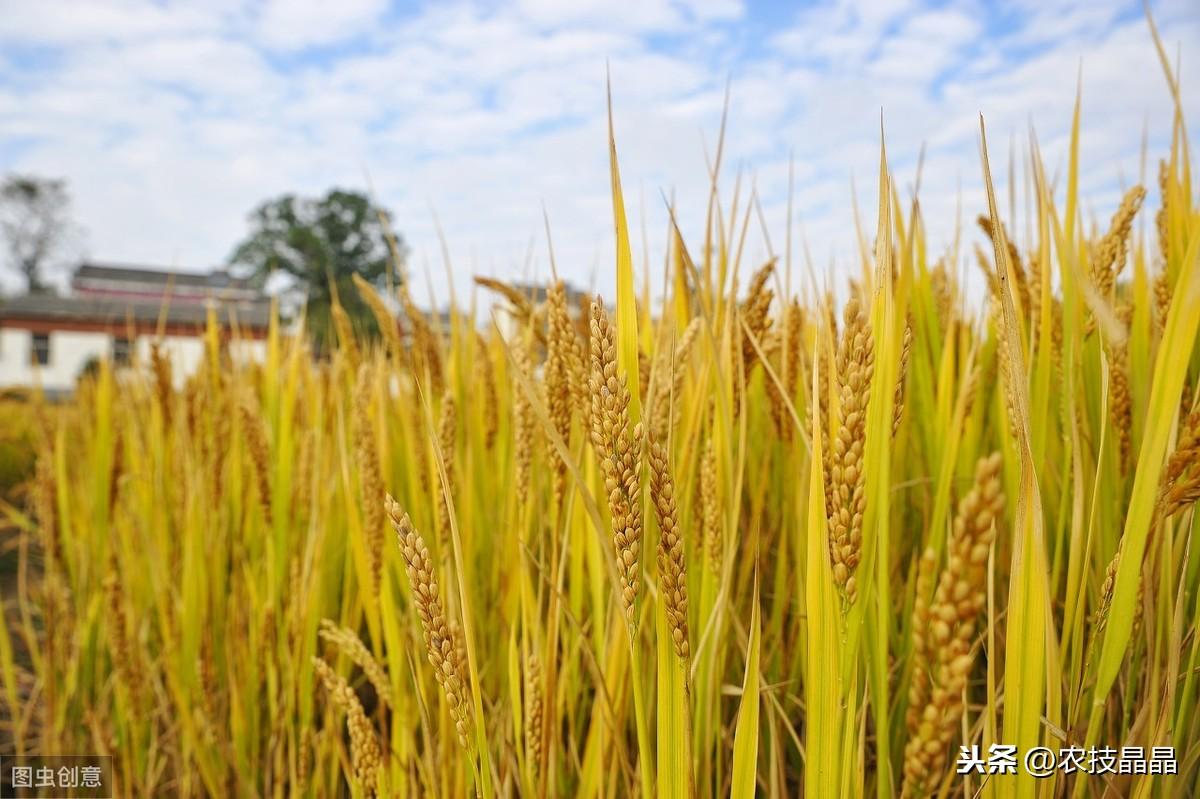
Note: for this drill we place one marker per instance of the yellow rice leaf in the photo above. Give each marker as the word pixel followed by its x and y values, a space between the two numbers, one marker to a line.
pixel 1170 370
pixel 674 739
pixel 1030 640
pixel 627 322
pixel 745 736
pixel 823 688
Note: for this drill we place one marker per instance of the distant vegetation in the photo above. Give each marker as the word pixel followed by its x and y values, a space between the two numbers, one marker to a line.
pixel 320 245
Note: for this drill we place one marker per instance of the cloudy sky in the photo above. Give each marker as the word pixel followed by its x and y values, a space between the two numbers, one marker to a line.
pixel 172 120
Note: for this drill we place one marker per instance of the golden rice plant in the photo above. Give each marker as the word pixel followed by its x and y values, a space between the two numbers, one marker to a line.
pixel 737 540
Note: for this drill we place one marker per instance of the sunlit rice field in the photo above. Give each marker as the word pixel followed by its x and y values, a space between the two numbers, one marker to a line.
pixel 719 535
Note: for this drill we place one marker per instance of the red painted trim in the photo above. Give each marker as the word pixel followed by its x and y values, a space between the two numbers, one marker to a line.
pixel 181 297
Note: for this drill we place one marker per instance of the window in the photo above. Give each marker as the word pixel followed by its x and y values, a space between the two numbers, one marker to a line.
pixel 39 349
pixel 122 348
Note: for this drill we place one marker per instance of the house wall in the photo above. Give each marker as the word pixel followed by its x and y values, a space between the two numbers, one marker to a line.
pixel 70 351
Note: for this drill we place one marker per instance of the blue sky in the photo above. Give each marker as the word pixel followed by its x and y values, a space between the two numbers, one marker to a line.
pixel 172 120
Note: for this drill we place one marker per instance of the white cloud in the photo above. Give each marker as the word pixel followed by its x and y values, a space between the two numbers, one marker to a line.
pixel 646 15
pixel 295 24
pixel 85 21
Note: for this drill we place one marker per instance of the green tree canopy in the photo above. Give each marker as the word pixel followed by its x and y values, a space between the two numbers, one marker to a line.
pixel 320 244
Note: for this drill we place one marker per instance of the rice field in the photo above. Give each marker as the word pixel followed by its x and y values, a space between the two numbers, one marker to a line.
pixel 720 535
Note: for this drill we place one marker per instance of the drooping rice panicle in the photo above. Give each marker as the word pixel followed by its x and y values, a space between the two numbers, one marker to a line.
pixel 449 666
pixel 447 434
pixel 372 489
pixel 616 447
pixel 944 631
pixel 350 645
pixel 562 354
pixel 672 567
pixel 855 365
pixel 364 745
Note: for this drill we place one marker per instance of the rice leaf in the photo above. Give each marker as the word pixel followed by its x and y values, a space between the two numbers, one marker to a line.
pixel 745 736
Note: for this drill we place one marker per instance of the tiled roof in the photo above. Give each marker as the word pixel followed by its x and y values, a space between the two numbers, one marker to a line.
pixel 103 310
pixel 214 280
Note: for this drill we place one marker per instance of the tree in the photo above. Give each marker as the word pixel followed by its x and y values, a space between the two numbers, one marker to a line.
pixel 319 244
pixel 36 223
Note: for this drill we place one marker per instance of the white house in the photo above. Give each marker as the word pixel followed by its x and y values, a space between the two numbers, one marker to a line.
pixel 116 312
